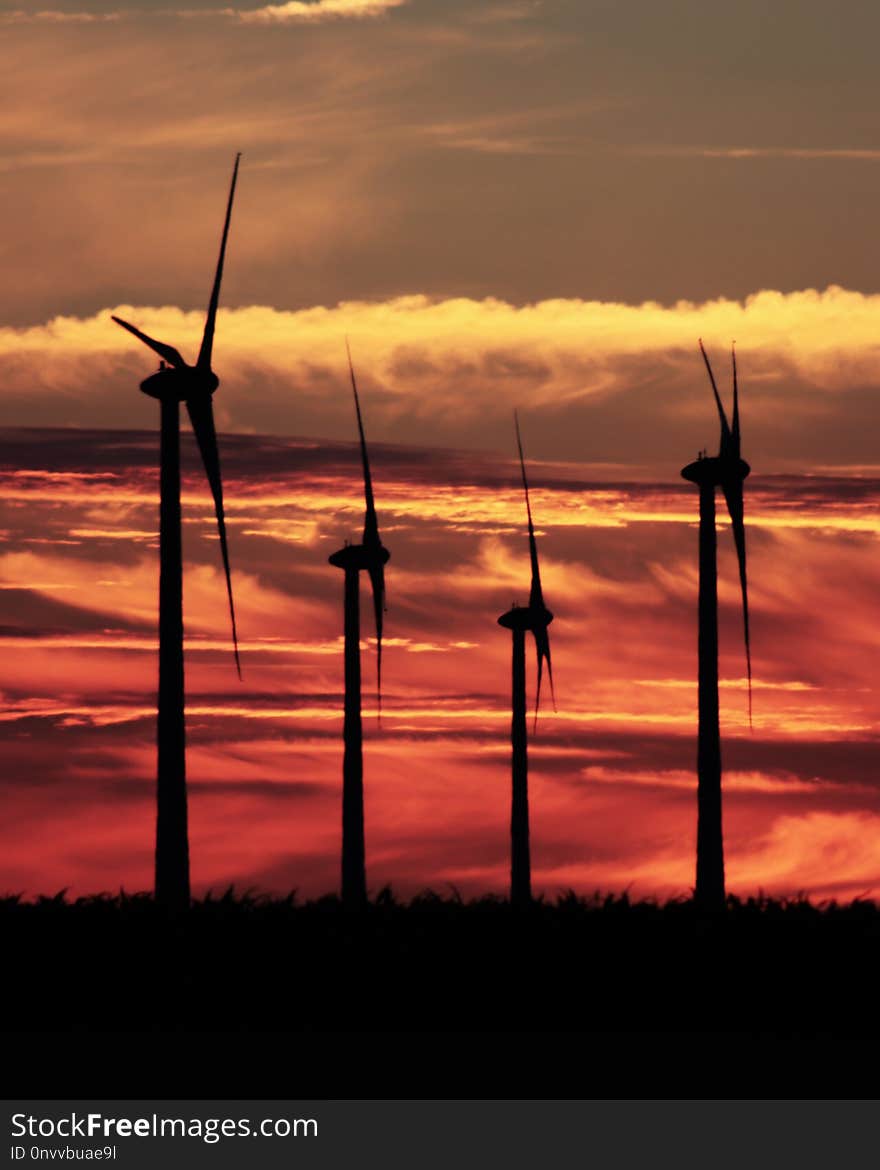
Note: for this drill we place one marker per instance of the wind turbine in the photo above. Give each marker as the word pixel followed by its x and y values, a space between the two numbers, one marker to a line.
pixel 369 556
pixel 174 383
pixel 536 618
pixel 728 471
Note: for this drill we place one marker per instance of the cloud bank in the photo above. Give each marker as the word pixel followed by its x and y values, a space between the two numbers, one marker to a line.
pixel 625 379
pixel 53 16
pixel 293 12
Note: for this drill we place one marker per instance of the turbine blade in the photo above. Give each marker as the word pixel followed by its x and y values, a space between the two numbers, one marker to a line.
pixel 736 440
pixel 204 362
pixel 377 580
pixel 733 494
pixel 201 414
pixel 536 594
pixel 542 650
pixel 726 436
pixel 168 352
pixel 536 597
pixel 371 524
pixel 371 539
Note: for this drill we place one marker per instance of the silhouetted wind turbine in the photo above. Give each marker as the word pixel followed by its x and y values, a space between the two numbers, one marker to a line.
pixel 174 383
pixel 535 617
pixel 369 556
pixel 727 471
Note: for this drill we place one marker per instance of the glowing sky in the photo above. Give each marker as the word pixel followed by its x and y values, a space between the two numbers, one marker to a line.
pixel 539 203
pixel 612 772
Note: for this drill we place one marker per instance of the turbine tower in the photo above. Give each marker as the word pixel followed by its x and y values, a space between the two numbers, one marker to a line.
pixel 174 383
pixel 536 618
pixel 728 471
pixel 369 556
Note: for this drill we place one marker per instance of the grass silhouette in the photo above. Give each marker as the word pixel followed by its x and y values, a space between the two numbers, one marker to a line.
pixel 244 961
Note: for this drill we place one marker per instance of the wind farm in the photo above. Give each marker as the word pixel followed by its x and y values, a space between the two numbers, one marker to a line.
pixel 544 957
pixel 393 644
pixel 450 336
pixel 305 759
pixel 564 787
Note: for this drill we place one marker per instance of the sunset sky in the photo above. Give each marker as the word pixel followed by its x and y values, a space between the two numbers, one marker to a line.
pixel 538 204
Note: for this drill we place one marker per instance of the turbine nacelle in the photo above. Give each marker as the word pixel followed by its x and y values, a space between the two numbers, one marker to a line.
pixel 524 617
pixel 716 470
pixel 360 558
pixel 180 384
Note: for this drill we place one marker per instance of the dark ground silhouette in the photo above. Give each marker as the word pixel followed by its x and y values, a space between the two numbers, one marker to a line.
pixel 243 963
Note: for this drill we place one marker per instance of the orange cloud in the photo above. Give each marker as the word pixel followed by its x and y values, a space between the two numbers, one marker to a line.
pixel 54 16
pixel 803 326
pixel 292 12
pixel 830 854
pixel 314 10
